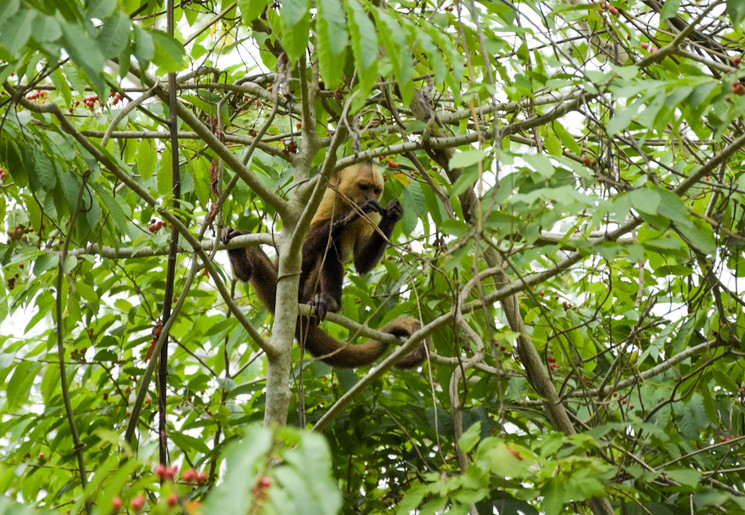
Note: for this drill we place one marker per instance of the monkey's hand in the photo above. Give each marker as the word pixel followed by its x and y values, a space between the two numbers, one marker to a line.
pixel 372 206
pixel 394 211
pixel 324 303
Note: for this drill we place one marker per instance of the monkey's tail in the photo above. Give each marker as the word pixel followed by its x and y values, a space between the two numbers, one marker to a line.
pixel 323 346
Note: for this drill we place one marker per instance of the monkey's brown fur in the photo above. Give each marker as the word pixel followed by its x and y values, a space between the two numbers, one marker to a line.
pixel 343 225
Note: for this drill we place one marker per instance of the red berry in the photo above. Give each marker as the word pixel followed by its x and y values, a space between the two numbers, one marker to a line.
pixel 587 160
pixel 190 476
pixel 161 470
pixel 736 61
pixel 138 502
pixel 173 500
pixel 42 455
pixel 116 503
pixel 21 265
pixel 299 125
pixel 738 88
pixel 644 45
pixel 613 10
pixel 201 477
pixel 265 482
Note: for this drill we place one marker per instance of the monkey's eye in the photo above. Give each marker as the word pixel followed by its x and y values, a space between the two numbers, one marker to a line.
pixel 364 187
pixel 378 191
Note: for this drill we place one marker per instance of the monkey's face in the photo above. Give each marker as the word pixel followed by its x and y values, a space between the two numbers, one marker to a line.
pixel 361 182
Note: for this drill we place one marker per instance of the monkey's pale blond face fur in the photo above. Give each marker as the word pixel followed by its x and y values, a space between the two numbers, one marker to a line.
pixel 353 185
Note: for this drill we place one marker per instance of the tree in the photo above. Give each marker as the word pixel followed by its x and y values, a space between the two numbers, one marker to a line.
pixel 572 178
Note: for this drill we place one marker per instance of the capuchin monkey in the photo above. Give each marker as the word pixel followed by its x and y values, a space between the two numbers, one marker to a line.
pixel 349 221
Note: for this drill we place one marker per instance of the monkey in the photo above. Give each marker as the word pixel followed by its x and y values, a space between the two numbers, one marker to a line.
pixel 342 226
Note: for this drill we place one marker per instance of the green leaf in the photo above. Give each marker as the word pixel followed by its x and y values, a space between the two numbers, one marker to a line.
pixel 114 35
pixel 394 39
pixel 63 88
pixel 553 145
pixel 19 384
pixel 165 174
pixel 469 176
pixel 645 200
pixel 700 237
pixel 147 158
pixel 16 30
pixel 251 9
pixel 295 32
pixel 569 141
pixel 113 207
pixel 144 46
pixel 466 158
pixel 242 464
pixel 86 54
pixel 43 176
pixel 169 53
pixel 670 9
pixel 100 8
pixel 364 45
pixel 188 443
pixel 541 164
pixel 622 119
pixel 331 40
pixel 688 477
pixel 470 437
pixel 293 12
pixel 736 11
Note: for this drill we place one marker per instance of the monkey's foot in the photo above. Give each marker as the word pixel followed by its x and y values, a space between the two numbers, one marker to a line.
pixel 324 303
pixel 228 233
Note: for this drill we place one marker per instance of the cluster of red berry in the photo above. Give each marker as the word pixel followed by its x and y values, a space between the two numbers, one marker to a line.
pixel 117 97
pixel 18 232
pixel 155 226
pixel 79 354
pixel 40 96
pixel 259 490
pixel 3 175
pixel 390 163
pixel 605 6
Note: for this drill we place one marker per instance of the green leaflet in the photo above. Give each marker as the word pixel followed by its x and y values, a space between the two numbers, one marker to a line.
pixel 364 45
pixel 394 40
pixel 331 40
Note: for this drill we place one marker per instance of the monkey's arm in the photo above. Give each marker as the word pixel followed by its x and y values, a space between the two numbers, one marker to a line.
pixel 251 264
pixel 367 254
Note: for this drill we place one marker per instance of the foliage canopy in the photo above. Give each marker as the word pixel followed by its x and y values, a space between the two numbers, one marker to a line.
pixel 573 179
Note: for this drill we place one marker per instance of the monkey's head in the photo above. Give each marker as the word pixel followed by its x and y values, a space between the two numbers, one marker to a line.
pixel 359 183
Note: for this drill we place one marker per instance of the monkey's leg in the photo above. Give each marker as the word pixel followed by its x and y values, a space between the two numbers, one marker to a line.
pixel 331 278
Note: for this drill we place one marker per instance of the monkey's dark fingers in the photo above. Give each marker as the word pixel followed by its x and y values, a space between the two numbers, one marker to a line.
pixel 371 206
pixel 394 211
